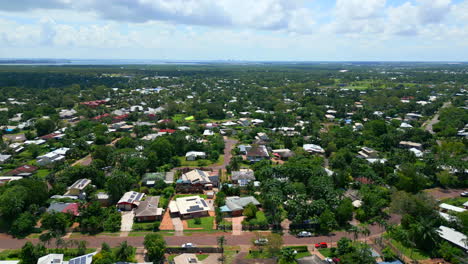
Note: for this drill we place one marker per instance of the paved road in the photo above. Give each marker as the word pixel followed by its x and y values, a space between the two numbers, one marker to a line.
pixel 7 242
pixel 431 122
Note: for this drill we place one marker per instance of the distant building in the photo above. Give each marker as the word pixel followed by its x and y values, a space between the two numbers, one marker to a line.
pixel 257 153
pixel 195 181
pixel 194 155
pixel 52 157
pixel 283 154
pixel 77 188
pixel 242 177
pixel 312 148
pixel 69 208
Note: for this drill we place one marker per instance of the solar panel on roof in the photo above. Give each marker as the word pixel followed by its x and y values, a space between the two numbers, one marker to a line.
pixel 83 260
pixel 194 208
pixel 204 203
pixel 139 196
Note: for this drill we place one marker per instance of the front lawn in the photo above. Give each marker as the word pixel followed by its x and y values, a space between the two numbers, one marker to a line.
pixel 416 254
pixel 42 173
pixel 206 223
pixel 326 252
pixel 187 195
pixel 200 162
pixel 458 201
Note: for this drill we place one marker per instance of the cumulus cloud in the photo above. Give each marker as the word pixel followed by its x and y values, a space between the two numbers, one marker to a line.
pixel 433 11
pixel 359 9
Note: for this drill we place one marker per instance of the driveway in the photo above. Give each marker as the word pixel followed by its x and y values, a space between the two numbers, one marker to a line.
pixel 178 226
pixel 237 225
pixel 127 221
pixel 431 122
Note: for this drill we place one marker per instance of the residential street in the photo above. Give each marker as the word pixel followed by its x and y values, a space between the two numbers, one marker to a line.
pixel 7 242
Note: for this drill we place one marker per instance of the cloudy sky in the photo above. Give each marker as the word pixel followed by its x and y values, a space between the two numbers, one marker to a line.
pixel 307 30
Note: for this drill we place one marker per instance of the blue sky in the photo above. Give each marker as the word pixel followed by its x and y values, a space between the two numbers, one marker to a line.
pixel 305 30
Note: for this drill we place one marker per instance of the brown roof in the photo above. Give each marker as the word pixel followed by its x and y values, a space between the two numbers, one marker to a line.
pixel 148 207
pixel 22 169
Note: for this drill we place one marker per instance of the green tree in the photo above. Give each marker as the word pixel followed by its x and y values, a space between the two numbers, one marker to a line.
pixel 155 246
pixel 56 222
pixel 344 212
pixel 23 225
pixel 327 221
pixel 124 252
pixel 250 211
pixel 44 126
pixel 30 254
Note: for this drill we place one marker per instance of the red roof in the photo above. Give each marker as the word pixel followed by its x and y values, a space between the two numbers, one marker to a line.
pixel 364 180
pixel 94 103
pixel 72 209
pixel 50 136
pixel 99 117
pixel 22 169
pixel 170 131
pixel 121 117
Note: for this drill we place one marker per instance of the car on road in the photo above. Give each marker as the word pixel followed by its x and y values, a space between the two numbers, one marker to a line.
pixel 304 234
pixel 188 245
pixel 321 245
pixel 261 242
pixel 464 194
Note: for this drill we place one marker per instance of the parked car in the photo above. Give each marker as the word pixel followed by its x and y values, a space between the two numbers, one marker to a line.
pixel 188 245
pixel 321 245
pixel 464 194
pixel 261 242
pixel 304 234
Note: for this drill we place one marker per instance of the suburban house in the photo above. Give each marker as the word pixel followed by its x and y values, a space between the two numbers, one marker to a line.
pixel 52 157
pixel 58 259
pixel 130 200
pixel 409 145
pixel 4 158
pixel 451 208
pixel 235 205
pixel 368 153
pixel 150 178
pixel 148 210
pixel 194 155
pixel 243 149
pixel 312 148
pixel 454 237
pixel 77 188
pixel 23 171
pixel 283 154
pixel 242 177
pixel 262 136
pixel 257 153
pixel 70 208
pixel 189 207
pixel 103 198
pixel 196 181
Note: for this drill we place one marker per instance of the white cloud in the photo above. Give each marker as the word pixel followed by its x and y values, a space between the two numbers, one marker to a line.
pixel 359 9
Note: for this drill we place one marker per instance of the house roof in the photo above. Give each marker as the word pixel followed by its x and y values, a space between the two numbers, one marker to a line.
pixel 71 208
pixel 80 184
pixel 236 203
pixel 245 174
pixel 453 236
pixel 314 259
pixel 131 197
pixel 189 204
pixel 149 207
pixel 258 151
pixel 452 208
pixel 196 176
pixel 22 169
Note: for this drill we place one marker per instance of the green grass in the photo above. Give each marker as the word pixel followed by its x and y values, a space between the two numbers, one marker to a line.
pixel 416 254
pixel 206 223
pixel 326 252
pixel 200 162
pixel 201 257
pixel 459 201
pixel 255 254
pixel 302 254
pixel 186 195
pixel 42 173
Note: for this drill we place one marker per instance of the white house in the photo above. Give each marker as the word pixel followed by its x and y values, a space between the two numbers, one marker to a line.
pixel 194 155
pixel 52 157
pixel 312 148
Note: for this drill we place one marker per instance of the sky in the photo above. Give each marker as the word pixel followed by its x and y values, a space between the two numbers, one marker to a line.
pixel 255 30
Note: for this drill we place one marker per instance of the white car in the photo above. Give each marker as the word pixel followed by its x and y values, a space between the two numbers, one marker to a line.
pixel 304 234
pixel 261 242
pixel 188 245
pixel 329 260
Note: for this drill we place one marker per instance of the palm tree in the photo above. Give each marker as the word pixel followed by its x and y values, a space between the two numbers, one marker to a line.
pixel 221 241
pixel 355 231
pixel 365 231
